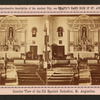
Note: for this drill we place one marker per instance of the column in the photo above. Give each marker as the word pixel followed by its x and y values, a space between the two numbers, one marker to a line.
pixel 23 34
pixel 71 42
pixel 99 40
pixel 46 41
pixel 95 33
pixel 68 41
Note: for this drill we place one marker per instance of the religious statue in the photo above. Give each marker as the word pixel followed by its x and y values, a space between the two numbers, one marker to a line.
pixel 34 31
pixel 10 32
pixel 60 31
pixel 84 34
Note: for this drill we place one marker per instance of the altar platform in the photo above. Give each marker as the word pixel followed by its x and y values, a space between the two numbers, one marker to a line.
pixel 11 54
pixel 84 54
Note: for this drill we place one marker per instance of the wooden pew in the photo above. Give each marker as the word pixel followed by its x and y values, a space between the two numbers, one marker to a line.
pixel 95 77
pixel 60 78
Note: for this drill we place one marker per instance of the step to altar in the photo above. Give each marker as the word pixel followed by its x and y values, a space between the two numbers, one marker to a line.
pixel 11 77
pixel 84 77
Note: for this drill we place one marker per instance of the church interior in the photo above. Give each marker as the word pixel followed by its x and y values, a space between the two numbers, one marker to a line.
pixel 50 50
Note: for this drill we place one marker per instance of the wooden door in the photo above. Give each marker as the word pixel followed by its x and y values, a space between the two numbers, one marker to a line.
pixel 33 50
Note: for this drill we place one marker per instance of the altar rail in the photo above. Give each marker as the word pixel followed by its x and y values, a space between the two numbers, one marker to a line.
pixel 84 54
pixel 10 54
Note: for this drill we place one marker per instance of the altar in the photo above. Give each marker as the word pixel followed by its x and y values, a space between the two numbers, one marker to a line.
pixel 12 37
pixel 84 54
pixel 10 54
pixel 83 38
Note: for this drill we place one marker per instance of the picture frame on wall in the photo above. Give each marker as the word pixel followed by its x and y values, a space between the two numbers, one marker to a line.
pixel 60 41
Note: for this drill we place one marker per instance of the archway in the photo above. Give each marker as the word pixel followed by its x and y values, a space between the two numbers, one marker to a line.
pixel 10 29
pixel 83 31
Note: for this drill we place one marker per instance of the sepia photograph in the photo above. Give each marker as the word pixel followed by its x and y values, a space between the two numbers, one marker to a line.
pixel 49 50
pixel 22 50
pixel 75 52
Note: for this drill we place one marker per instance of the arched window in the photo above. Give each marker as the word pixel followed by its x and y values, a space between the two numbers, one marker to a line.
pixel 34 31
pixel 60 31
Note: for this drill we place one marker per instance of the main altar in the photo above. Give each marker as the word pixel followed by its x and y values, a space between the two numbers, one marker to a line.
pixel 12 37
pixel 83 37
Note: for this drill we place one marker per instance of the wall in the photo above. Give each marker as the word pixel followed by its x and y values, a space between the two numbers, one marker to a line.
pixel 39 39
pixel 28 22
pixel 56 22
pixel 67 23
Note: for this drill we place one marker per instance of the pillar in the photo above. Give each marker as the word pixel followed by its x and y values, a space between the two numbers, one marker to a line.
pixel 23 34
pixel 46 42
pixel 68 41
pixel 71 42
pixel 96 41
pixel 99 40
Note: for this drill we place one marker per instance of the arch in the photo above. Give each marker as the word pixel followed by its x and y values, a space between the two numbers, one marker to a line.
pixel 34 29
pixel 11 18
pixel 60 28
pixel 83 20
pixel 83 36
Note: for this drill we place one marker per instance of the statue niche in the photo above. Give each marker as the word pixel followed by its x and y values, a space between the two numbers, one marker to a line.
pixel 10 36
pixel 11 43
pixel 84 43
pixel 60 31
pixel 84 34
